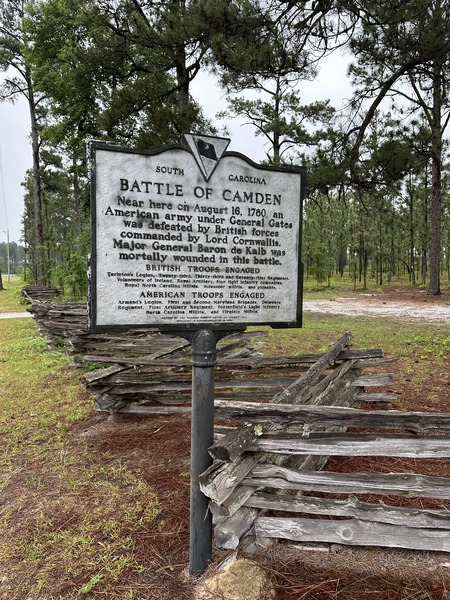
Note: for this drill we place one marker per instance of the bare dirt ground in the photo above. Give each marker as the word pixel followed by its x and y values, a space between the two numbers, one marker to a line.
pixel 403 304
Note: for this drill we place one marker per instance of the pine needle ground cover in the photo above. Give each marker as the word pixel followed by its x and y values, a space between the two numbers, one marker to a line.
pixel 98 508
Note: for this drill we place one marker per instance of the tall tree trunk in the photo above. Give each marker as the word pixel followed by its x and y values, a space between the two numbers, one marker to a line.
pixel 425 236
pixel 276 135
pixel 380 255
pixel 37 187
pixel 183 83
pixel 391 259
pixel 412 266
pixel 434 287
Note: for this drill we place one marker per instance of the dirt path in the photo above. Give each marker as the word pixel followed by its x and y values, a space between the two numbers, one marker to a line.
pixel 410 312
pixel 14 315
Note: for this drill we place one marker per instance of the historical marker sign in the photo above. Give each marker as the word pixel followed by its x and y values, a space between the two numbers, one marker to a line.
pixel 194 236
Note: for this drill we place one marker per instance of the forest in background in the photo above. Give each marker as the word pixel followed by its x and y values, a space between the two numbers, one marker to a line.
pixel 377 202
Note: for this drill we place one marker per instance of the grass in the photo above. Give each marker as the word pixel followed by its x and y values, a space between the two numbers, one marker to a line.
pixel 345 286
pixel 319 330
pixel 10 300
pixel 66 512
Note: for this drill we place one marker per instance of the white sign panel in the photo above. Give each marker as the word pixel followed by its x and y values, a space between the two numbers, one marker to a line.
pixel 193 236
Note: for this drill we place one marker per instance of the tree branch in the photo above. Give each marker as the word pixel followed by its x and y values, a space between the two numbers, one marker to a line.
pixel 376 103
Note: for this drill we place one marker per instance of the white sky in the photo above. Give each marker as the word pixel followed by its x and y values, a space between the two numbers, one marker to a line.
pixel 15 160
pixel 15 147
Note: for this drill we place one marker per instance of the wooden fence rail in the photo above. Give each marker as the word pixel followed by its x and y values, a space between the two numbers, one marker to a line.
pixel 39 293
pixel 270 463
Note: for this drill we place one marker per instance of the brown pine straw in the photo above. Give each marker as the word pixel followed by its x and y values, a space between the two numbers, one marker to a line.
pixel 159 448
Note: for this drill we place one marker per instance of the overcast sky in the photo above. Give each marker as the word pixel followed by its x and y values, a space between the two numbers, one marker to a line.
pixel 15 147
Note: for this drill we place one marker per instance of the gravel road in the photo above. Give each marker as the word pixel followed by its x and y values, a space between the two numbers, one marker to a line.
pixel 14 315
pixel 409 312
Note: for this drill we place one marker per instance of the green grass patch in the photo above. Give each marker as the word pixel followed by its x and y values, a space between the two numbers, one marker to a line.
pixel 345 286
pixel 68 513
pixel 420 341
pixel 10 300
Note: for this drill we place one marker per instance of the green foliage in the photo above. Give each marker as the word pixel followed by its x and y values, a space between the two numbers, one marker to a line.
pixel 89 586
pixel 16 257
pixel 394 158
pixel 75 276
pixel 276 58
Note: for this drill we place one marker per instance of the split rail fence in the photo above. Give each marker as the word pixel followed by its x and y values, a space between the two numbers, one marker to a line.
pixel 266 481
pixel 278 420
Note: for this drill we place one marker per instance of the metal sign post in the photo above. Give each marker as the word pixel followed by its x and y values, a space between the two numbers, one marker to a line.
pixel 204 352
pixel 202 434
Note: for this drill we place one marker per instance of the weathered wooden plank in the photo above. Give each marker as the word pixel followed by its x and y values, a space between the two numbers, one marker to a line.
pixel 66 326
pixel 246 364
pixel 398 484
pixel 233 503
pixel 260 395
pixel 305 359
pixel 87 338
pixel 272 362
pixel 353 532
pixel 150 398
pixel 235 442
pixel 296 391
pixel 104 402
pixel 377 397
pixel 354 444
pixel 153 410
pixel 162 350
pixel 374 380
pixel 352 507
pixel 145 347
pixel 100 374
pixel 124 389
pixel 369 363
pixel 165 399
pixel 220 479
pixel 228 533
pixel 331 387
pixel 125 386
pixel 284 414
pixel 360 354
